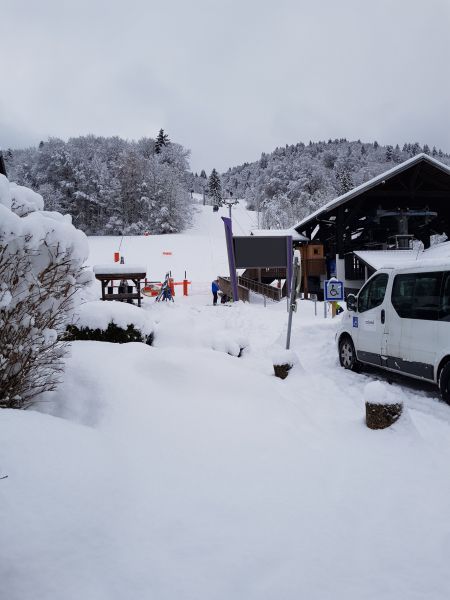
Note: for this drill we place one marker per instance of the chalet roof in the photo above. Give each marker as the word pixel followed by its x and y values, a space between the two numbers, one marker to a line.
pixel 379 259
pixel 372 183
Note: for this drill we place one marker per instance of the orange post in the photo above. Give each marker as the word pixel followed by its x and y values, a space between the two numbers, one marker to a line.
pixel 185 287
pixel 172 286
pixel 116 256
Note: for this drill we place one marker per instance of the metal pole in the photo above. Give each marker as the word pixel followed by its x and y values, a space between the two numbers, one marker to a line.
pixel 315 306
pixel 293 305
pixel 325 309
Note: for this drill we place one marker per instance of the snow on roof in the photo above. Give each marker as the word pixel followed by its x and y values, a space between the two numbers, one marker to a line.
pixel 378 259
pixel 372 183
pixel 296 237
pixel 118 268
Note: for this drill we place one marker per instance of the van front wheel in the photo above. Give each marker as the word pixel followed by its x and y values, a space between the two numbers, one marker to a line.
pixel 347 354
pixel 444 383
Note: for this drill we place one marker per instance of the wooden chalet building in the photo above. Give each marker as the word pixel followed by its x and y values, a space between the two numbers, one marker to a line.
pixel 407 203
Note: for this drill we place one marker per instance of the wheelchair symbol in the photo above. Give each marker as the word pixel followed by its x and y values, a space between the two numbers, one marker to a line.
pixel 332 291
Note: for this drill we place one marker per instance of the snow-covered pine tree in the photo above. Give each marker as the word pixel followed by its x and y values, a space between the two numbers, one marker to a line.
pixel 215 187
pixel 389 153
pixel 161 140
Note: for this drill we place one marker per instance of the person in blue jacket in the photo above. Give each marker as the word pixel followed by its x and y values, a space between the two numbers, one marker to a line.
pixel 215 289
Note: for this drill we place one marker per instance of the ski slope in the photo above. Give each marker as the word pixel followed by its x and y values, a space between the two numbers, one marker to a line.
pixel 200 250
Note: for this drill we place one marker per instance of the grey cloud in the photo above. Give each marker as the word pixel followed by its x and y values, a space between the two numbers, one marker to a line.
pixel 227 79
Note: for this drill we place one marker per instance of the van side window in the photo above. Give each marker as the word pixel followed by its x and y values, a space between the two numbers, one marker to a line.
pixel 444 313
pixel 372 294
pixel 417 295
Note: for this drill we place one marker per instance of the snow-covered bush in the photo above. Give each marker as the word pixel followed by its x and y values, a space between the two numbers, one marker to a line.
pixel 41 273
pixel 231 342
pixel 110 322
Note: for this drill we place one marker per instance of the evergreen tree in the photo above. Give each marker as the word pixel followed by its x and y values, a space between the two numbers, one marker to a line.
pixel 161 140
pixel 426 149
pixel 389 153
pixel 434 151
pixel 215 187
pixel 203 174
pixel 375 144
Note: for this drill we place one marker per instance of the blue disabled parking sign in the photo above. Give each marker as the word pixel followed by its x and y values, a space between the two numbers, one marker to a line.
pixel 334 290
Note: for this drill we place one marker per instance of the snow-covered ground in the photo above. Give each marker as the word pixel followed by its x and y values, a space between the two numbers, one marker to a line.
pixel 179 471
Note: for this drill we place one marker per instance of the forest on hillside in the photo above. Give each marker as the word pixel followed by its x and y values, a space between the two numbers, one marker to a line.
pixel 109 185
pixel 112 186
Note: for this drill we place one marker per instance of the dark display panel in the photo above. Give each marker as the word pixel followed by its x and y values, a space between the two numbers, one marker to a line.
pixel 258 251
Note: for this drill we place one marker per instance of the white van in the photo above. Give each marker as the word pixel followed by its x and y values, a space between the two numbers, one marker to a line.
pixel 400 321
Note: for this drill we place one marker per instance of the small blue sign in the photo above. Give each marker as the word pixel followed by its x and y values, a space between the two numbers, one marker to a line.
pixel 334 290
pixel 355 321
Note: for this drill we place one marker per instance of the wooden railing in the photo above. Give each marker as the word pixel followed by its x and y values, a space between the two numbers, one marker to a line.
pixel 260 288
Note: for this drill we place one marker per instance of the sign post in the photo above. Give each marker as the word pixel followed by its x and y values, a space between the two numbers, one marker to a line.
pixel 231 261
pixel 292 304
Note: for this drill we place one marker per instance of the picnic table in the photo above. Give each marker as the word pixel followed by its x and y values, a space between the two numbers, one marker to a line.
pixel 108 274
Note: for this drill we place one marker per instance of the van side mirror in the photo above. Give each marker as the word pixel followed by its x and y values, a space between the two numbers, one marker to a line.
pixel 352 303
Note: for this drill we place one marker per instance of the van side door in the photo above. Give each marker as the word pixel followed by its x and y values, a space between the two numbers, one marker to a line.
pixel 413 336
pixel 371 319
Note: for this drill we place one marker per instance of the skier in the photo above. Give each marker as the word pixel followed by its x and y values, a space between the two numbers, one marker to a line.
pixel 215 288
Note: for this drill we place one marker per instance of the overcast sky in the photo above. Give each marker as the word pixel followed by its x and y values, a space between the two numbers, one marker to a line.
pixel 228 79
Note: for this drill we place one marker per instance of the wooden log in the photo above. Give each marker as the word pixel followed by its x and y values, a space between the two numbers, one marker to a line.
pixel 383 408
pixel 282 371
pixel 380 416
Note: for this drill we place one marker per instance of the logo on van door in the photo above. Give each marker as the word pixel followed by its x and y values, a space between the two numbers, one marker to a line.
pixel 369 325
pixel 355 321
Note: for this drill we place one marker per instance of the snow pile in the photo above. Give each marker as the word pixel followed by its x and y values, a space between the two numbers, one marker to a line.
pixel 377 392
pixel 5 192
pixel 99 314
pixel 284 357
pixel 24 200
pixel 231 342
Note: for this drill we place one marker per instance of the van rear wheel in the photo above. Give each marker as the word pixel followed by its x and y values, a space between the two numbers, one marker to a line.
pixel 347 354
pixel 444 383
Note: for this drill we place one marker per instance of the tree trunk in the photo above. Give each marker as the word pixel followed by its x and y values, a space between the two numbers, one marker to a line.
pixel 282 371
pixel 380 416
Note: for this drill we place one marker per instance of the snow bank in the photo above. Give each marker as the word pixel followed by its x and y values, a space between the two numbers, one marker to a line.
pixel 99 314
pixel 24 200
pixel 5 192
pixel 231 342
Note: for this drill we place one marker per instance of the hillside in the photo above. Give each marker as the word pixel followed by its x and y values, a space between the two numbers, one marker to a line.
pixel 293 181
